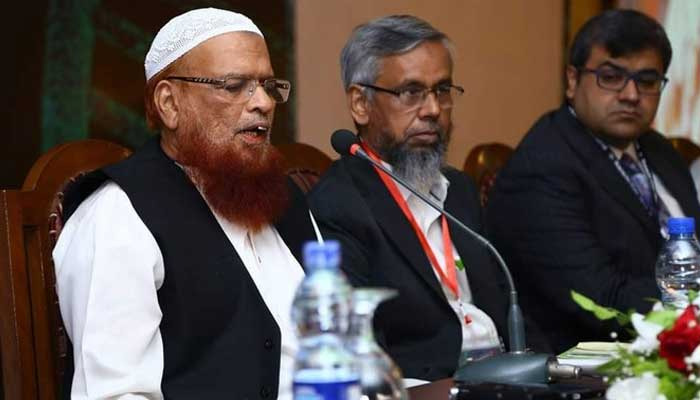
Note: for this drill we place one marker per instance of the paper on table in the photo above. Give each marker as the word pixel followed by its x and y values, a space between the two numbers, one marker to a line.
pixel 411 382
pixel 590 355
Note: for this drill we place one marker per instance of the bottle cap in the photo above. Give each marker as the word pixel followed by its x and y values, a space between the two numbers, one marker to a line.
pixel 326 254
pixel 682 225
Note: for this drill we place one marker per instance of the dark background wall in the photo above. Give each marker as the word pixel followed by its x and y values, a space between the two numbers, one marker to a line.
pixel 74 70
pixel 20 74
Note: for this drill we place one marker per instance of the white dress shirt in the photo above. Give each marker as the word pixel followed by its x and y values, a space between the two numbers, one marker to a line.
pixel 481 332
pixel 108 271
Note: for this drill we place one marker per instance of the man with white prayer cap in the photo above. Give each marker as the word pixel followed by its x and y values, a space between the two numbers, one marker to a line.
pixel 176 268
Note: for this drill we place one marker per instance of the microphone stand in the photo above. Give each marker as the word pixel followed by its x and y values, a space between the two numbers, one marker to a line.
pixel 518 366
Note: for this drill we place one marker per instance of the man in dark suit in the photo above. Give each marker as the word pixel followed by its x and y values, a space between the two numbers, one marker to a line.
pixel 397 73
pixel 583 202
pixel 177 267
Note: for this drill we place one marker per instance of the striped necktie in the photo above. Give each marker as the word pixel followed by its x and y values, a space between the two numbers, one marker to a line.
pixel 639 180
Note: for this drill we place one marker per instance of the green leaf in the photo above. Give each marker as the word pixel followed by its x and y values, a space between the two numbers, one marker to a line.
pixel 612 367
pixel 676 388
pixel 692 295
pixel 602 313
pixel 664 318
pixel 624 319
pixel 659 367
pixel 459 264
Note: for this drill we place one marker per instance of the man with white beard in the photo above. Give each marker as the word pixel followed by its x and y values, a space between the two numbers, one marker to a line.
pixel 177 267
pixel 397 73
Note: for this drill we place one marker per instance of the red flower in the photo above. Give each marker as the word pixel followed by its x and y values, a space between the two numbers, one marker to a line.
pixel 679 342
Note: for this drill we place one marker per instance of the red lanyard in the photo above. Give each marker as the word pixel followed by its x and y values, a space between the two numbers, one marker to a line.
pixel 449 279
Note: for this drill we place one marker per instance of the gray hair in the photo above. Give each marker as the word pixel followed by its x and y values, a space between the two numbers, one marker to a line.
pixel 369 43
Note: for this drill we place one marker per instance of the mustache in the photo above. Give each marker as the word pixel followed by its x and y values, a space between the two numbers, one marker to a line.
pixel 430 126
pixel 261 125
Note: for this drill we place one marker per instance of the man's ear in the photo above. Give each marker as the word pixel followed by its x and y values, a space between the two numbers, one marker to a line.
pixel 167 104
pixel 359 104
pixel 572 76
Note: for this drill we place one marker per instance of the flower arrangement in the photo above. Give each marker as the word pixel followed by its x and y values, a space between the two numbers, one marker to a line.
pixel 663 361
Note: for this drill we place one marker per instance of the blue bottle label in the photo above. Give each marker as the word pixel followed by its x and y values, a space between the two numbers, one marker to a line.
pixel 346 390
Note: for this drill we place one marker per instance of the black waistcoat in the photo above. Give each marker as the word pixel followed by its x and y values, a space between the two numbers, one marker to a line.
pixel 220 341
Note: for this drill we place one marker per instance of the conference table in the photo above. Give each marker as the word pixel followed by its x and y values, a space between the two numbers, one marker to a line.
pixel 434 390
pixel 440 390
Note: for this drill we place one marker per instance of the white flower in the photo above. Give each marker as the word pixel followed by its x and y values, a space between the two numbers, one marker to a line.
pixel 646 340
pixel 694 358
pixel 645 387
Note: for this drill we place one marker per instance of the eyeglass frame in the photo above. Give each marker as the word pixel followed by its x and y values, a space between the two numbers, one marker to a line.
pixel 425 91
pixel 634 76
pixel 220 84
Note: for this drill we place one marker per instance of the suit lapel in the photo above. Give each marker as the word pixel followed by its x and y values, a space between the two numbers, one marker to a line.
pixel 295 225
pixel 611 180
pixel 603 170
pixel 661 165
pixel 392 221
pixel 483 283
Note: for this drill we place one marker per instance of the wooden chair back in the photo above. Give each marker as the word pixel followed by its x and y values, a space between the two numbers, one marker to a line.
pixel 305 163
pixel 483 164
pixel 33 343
pixel 688 150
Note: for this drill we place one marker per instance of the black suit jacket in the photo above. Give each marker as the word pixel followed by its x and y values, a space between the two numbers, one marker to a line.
pixel 565 219
pixel 418 329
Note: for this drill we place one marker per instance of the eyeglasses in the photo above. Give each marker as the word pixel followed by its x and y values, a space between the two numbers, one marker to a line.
pixel 615 79
pixel 414 96
pixel 242 89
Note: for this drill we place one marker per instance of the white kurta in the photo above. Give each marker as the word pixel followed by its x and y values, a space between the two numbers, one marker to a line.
pixel 108 271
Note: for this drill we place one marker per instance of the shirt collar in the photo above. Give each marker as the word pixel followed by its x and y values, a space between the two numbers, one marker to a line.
pixel 630 150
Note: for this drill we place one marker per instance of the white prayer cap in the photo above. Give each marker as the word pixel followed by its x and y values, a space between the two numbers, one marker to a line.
pixel 182 33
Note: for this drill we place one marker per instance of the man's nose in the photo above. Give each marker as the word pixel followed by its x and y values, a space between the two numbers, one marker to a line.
pixel 260 100
pixel 430 106
pixel 629 92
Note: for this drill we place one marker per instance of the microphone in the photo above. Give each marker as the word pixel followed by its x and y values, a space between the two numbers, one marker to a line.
pixel 345 142
pixel 516 366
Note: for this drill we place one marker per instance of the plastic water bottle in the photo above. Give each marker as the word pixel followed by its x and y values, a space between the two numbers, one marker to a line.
pixel 678 265
pixel 324 368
